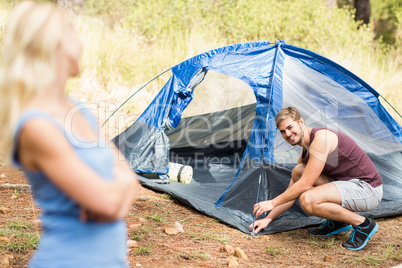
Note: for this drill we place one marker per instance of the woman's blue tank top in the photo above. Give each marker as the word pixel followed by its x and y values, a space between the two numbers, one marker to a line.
pixel 66 241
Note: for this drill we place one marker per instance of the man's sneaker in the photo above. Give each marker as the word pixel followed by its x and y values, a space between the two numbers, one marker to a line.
pixel 360 236
pixel 329 228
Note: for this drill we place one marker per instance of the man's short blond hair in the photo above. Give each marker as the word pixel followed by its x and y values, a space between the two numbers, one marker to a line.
pixel 285 113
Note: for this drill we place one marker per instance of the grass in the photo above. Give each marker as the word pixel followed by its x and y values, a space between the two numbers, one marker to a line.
pixel 274 251
pixel 145 250
pixel 156 218
pixel 197 254
pixel 392 252
pixel 22 237
pixel 139 234
pixel 327 242
pixel 208 236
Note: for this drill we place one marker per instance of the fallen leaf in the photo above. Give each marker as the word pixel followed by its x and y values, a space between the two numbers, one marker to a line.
pixel 178 227
pixel 4 210
pixel 171 231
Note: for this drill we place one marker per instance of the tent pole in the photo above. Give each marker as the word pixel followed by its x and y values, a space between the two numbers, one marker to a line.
pixel 390 105
pixel 133 95
pixel 278 46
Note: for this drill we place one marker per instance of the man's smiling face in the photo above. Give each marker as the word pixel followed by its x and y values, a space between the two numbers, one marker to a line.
pixel 291 130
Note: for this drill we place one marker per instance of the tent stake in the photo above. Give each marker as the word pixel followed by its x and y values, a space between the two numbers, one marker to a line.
pixel 256 201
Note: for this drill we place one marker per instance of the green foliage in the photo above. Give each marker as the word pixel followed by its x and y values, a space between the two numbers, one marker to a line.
pixel 22 237
pixel 386 16
pixel 156 218
pixel 305 23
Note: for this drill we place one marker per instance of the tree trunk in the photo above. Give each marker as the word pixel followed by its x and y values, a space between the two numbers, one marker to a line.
pixel 363 10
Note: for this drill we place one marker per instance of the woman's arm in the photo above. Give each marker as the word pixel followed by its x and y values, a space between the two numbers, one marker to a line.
pixel 43 147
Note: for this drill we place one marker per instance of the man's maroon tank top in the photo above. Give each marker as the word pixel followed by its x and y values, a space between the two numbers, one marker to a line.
pixel 348 161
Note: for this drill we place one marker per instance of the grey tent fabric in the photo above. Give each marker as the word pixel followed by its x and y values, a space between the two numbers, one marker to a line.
pixel 156 147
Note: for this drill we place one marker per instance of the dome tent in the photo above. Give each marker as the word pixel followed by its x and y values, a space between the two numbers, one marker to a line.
pixel 231 150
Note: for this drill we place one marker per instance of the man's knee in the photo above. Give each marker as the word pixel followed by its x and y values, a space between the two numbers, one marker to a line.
pixel 307 202
pixel 297 172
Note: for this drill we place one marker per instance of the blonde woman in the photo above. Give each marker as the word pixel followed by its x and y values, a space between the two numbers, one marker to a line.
pixel 82 188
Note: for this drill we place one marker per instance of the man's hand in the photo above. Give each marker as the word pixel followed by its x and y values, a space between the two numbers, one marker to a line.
pixel 263 207
pixel 260 224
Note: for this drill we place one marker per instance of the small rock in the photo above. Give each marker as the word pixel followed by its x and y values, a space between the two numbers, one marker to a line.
pixel 131 244
pixel 171 231
pixel 232 261
pixel 134 226
pixel 4 210
pixel 138 264
pixel 142 220
pixel 240 253
pixel 2 176
pixel 178 227
pixel 228 248
pixel 328 258
pixel 4 238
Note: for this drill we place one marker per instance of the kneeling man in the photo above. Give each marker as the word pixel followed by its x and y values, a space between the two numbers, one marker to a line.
pixel 333 179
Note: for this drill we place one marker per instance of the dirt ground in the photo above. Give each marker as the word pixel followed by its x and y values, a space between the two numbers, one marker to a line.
pixel 203 237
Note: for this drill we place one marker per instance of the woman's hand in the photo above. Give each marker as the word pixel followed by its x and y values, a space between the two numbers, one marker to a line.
pixel 263 207
pixel 260 224
pixel 87 215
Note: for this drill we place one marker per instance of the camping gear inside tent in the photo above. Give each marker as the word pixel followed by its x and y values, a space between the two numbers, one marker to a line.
pixel 230 149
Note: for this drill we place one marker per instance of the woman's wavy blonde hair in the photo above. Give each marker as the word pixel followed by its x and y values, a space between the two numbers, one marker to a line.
pixel 32 37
